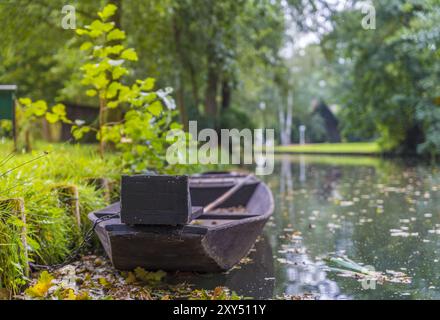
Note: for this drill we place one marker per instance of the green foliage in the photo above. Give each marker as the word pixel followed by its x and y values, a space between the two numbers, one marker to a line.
pixel 29 112
pixel 5 128
pixel 234 118
pixel 333 148
pixel 141 135
pixel 12 258
pixel 240 42
pixel 389 90
pixel 51 228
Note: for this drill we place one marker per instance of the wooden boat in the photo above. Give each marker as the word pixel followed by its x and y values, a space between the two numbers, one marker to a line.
pixel 215 241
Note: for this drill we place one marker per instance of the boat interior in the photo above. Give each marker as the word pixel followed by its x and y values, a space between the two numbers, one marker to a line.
pixel 251 200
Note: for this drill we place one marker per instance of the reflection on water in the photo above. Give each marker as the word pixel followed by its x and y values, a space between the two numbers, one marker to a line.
pixel 304 276
pixel 380 213
pixel 253 278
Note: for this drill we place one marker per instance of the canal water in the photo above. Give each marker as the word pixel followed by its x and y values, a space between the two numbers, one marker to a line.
pixel 381 214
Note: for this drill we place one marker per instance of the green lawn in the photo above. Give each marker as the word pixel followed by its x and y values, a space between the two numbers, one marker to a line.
pixel 332 148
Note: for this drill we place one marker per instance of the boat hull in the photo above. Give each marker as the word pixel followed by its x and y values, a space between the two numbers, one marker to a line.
pixel 214 245
pixel 217 250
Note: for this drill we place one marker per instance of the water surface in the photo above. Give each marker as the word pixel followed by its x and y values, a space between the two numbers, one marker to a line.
pixel 380 213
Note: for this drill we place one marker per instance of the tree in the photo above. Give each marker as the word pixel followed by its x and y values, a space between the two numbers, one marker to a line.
pixel 148 117
pixel 390 92
pixel 219 55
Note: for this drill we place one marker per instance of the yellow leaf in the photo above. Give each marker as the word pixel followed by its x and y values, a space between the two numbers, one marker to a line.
pixel 39 290
pixel 103 282
pixel 149 276
pixel 69 295
pixel 82 296
pixel 131 278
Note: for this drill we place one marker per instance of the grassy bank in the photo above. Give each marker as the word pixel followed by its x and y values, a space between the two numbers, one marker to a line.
pixel 355 148
pixel 332 160
pixel 42 196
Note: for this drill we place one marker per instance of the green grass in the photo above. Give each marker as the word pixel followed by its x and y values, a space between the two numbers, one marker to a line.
pixel 51 228
pixel 332 148
pixel 333 160
pixel 37 178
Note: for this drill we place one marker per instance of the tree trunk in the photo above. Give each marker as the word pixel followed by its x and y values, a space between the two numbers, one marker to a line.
pixel 194 85
pixel 181 103
pixel 115 114
pixel 118 16
pixel 285 118
pixel 47 133
pixel 102 117
pixel 226 94
pixel 27 141
pixel 211 92
pixel 180 85
pixel 289 119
